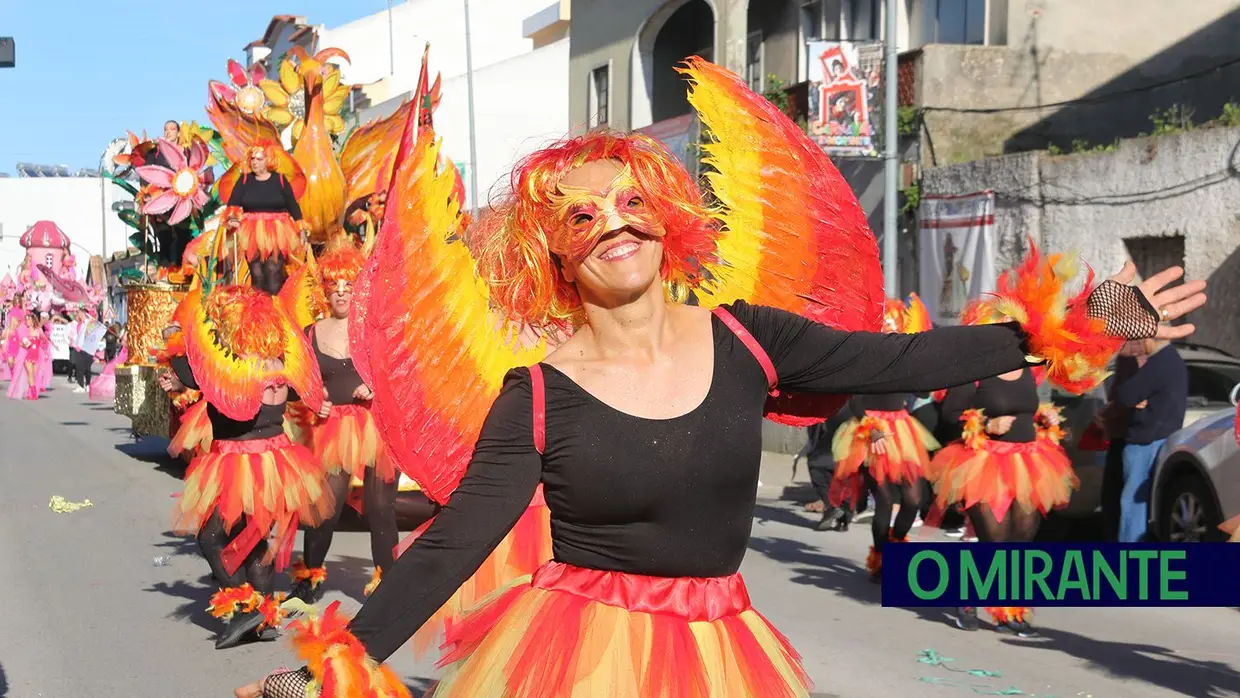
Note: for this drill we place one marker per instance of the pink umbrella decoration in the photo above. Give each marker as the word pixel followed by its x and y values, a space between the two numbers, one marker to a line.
pixel 180 188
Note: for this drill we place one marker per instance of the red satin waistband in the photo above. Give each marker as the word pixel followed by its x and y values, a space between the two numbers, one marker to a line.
pixel 251 446
pixel 1005 448
pixel 266 216
pixel 690 598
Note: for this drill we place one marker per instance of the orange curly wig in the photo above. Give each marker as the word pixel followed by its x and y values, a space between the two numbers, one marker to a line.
pixel 341 262
pixel 247 321
pixel 512 243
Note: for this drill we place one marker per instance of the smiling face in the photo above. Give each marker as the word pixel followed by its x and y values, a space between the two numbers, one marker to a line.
pixel 610 244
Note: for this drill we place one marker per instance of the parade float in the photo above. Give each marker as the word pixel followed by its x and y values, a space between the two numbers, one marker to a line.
pixel 346 174
pixel 47 283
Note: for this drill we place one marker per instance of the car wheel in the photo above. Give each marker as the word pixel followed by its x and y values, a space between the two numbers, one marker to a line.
pixel 1187 513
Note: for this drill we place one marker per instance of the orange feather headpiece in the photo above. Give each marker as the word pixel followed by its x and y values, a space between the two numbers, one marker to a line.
pixel 521 241
pixel 342 262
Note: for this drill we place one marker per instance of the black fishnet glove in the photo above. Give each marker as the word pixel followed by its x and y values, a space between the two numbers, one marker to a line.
pixel 1127 311
pixel 287 684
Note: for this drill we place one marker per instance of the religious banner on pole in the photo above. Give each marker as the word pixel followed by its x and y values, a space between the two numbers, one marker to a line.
pixel 957 249
pixel 845 97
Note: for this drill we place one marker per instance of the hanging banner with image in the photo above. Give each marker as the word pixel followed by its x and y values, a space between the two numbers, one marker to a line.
pixel 845 97
pixel 957 249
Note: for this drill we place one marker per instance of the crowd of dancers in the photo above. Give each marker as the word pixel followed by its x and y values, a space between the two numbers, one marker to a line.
pixel 586 442
pixel 27 353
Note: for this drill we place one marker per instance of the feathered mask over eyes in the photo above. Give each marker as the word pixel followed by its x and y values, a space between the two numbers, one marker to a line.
pixel 586 215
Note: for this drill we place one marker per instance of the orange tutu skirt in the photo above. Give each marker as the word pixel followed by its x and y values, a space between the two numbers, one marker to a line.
pixel 908 447
pixel 570 632
pixel 349 441
pixel 1036 475
pixel 525 549
pixel 262 235
pixel 273 483
pixel 193 436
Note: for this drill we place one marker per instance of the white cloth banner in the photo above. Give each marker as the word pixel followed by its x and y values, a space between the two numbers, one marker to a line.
pixel 957 250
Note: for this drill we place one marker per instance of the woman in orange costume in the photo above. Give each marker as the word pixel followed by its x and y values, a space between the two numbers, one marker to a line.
pixel 887 450
pixel 343 434
pixel 264 215
pixel 247 357
pixel 605 232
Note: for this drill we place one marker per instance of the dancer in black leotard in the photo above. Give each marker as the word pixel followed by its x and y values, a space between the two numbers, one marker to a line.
pixel 648 406
pixel 253 481
pixel 264 215
pixel 343 435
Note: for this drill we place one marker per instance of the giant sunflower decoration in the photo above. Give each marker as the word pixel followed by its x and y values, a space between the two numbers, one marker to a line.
pixel 287 97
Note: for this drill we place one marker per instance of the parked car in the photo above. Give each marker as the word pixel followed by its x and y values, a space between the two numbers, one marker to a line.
pixel 1196 480
pixel 1213 376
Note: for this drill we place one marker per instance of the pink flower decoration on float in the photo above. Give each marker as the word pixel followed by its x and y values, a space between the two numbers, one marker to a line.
pixel 179 188
pixel 244 91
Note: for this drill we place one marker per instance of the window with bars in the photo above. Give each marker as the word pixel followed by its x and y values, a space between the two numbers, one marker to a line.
pixel 753 62
pixel 600 96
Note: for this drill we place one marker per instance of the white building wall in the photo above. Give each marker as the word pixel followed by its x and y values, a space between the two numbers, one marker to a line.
pixel 520 105
pixel 496 36
pixel 74 203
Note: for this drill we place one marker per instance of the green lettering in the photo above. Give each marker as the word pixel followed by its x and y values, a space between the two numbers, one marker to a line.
pixel 1037 577
pixel 970 575
pixel 1072 576
pixel 1102 568
pixel 1166 575
pixel 1143 577
pixel 915 586
pixel 1013 592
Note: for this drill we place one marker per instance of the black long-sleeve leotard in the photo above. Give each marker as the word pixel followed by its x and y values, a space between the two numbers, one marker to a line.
pixel 998 398
pixel 267 423
pixel 271 195
pixel 617 485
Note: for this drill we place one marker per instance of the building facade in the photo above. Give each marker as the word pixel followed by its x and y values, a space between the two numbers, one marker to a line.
pixel 520 51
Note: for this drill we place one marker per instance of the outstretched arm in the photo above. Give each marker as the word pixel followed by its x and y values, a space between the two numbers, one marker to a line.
pixel 495 491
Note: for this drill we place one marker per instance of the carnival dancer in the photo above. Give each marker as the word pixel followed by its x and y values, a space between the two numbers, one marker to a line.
pixel 643 596
pixel 265 217
pixel 25 384
pixel 44 372
pixel 343 434
pixel 248 358
pixel 883 447
pixel 103 386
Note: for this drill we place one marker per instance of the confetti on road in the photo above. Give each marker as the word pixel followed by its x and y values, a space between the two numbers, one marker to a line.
pixel 60 505
pixel 933 658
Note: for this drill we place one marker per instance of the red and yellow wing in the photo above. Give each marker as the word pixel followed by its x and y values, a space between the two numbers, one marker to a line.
pixel 916 315
pixel 302 295
pixel 367 157
pixel 229 382
pixel 301 368
pixel 428 327
pixel 794 235
pixel 237 130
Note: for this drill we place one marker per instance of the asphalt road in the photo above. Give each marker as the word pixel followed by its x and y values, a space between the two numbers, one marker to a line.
pixel 87 612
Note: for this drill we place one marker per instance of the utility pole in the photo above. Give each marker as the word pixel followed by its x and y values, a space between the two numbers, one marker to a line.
pixel 391 43
pixel 469 88
pixel 891 278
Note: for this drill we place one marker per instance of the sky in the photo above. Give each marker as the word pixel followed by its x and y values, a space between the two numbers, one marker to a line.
pixel 89 70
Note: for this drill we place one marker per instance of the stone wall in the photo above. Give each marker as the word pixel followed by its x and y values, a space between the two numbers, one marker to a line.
pixel 1102 204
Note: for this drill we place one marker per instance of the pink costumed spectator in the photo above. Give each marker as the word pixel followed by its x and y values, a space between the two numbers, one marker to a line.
pixel 24 385
pixel 43 370
pixel 103 386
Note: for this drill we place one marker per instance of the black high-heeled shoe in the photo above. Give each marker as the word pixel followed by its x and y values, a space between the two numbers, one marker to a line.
pixel 241 627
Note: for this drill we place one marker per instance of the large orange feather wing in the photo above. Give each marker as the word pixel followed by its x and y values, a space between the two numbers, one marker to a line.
pixel 794 235
pixel 428 327
pixel 367 156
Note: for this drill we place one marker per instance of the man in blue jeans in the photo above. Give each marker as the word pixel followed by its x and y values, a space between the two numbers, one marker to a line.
pixel 1157 394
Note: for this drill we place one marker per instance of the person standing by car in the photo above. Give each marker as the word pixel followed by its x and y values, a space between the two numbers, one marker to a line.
pixel 1113 423
pixel 1157 394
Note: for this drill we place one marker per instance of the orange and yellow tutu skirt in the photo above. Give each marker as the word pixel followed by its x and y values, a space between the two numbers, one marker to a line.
pixel 1036 475
pixel 525 549
pixel 908 447
pixel 348 441
pixel 273 484
pixel 193 435
pixel 570 632
pixel 263 235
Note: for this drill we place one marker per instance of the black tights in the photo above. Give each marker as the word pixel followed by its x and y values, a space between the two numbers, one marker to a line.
pixel 1018 526
pixel 907 495
pixel 215 537
pixel 268 274
pixel 379 501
